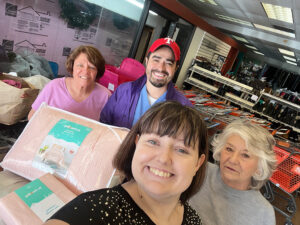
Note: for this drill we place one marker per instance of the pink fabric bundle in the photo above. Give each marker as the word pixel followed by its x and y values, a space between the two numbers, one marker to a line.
pixel 90 169
pixel 14 83
pixel 14 211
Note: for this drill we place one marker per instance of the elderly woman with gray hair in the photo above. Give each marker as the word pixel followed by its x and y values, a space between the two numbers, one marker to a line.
pixel 230 193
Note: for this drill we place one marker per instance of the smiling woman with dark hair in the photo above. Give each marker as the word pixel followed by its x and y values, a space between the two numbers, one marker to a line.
pixel 78 93
pixel 163 158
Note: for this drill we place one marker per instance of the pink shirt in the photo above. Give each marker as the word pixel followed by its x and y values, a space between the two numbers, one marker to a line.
pixel 55 94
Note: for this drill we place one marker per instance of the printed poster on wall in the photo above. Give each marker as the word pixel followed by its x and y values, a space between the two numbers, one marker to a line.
pixel 40 199
pixel 60 146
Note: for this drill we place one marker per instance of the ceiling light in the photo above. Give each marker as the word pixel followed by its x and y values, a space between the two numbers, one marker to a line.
pixel 275 30
pixel 231 19
pixel 258 52
pixel 250 46
pixel 289 58
pixel 209 1
pixel 240 39
pixel 277 12
pixel 286 52
pixel 292 63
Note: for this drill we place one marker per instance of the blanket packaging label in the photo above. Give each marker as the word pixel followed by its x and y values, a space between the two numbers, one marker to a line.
pixel 59 147
pixel 40 199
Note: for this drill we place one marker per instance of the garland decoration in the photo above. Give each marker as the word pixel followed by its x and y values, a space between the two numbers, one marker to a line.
pixel 78 14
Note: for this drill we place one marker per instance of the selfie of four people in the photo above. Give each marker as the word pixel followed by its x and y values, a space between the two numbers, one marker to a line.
pixel 164 157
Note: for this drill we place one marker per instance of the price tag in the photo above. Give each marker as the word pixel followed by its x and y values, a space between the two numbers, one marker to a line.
pixel 111 87
pixel 254 97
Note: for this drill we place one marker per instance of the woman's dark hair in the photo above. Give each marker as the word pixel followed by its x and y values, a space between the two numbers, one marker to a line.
pixel 171 119
pixel 93 55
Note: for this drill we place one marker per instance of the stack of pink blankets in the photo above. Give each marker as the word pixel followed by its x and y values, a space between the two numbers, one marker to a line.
pixel 89 169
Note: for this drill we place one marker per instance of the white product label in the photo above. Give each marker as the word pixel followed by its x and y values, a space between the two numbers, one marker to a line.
pixel 59 147
pixel 40 199
pixel 111 87
pixel 254 97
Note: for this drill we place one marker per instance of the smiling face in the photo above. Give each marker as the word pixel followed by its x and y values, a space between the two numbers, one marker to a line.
pixel 160 67
pixel 237 164
pixel 84 72
pixel 163 167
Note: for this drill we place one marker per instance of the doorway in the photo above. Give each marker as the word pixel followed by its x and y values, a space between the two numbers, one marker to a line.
pixel 160 22
pixel 143 45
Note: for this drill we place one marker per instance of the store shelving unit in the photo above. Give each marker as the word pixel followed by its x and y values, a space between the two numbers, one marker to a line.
pixel 223 80
pixel 281 101
pixel 245 89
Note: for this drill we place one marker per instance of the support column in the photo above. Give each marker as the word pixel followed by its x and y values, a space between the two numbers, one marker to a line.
pixel 232 54
pixel 191 54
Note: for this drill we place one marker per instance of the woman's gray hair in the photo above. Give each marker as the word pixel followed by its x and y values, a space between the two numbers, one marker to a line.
pixel 258 142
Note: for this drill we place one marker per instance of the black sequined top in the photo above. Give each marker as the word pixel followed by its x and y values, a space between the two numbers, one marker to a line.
pixel 111 206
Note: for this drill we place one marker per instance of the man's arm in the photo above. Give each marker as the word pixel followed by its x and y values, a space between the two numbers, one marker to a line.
pixel 107 113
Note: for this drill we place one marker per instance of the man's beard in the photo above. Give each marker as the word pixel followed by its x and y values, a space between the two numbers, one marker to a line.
pixel 156 83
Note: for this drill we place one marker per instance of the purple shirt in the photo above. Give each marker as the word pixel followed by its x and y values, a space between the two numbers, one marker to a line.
pixel 120 107
pixel 56 94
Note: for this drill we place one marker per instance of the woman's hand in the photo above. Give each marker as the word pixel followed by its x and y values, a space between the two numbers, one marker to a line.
pixel 30 114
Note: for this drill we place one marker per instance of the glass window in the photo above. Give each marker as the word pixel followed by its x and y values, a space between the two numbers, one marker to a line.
pixel 52 31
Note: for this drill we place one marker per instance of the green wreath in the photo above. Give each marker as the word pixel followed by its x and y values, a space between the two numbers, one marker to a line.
pixel 78 14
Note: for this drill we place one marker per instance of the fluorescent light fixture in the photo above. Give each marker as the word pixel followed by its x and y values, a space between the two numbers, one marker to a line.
pixel 277 12
pixel 292 63
pixel 250 46
pixel 286 52
pixel 289 58
pixel 258 52
pixel 231 19
pixel 140 5
pixel 240 39
pixel 292 35
pixel 209 1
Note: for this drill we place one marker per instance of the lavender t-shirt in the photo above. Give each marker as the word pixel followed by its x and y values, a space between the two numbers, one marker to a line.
pixel 56 94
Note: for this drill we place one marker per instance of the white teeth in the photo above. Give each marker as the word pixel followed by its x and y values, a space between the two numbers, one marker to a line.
pixel 160 173
pixel 159 74
pixel 83 77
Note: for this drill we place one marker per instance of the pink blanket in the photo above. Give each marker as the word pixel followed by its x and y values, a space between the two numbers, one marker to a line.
pixel 14 211
pixel 91 167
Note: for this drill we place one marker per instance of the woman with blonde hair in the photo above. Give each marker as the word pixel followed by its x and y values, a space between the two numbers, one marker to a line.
pixel 245 161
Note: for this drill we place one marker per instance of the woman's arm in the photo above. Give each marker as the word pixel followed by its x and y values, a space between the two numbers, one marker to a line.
pixel 55 222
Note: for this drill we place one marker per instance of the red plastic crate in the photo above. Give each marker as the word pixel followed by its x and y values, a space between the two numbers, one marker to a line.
pixel 287 174
pixel 280 154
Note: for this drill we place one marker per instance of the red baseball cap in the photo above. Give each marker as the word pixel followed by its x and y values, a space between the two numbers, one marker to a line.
pixel 167 42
